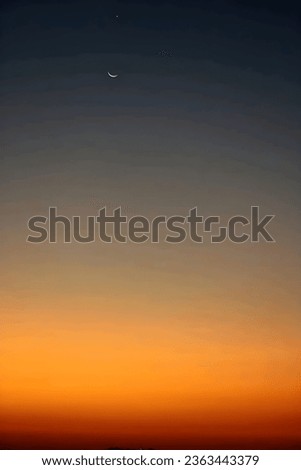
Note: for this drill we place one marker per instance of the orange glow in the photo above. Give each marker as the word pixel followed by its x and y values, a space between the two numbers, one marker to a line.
pixel 129 378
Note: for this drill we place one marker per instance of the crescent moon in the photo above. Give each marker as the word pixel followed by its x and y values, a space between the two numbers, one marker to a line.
pixel 112 76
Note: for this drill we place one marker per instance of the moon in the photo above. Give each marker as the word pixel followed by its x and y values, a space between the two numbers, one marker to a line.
pixel 112 76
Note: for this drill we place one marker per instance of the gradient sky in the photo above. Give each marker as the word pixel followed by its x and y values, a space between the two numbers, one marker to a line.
pixel 150 346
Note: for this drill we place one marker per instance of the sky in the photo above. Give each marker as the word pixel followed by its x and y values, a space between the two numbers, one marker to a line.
pixel 150 346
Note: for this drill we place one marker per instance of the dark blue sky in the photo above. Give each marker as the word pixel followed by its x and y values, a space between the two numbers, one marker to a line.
pixel 228 89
